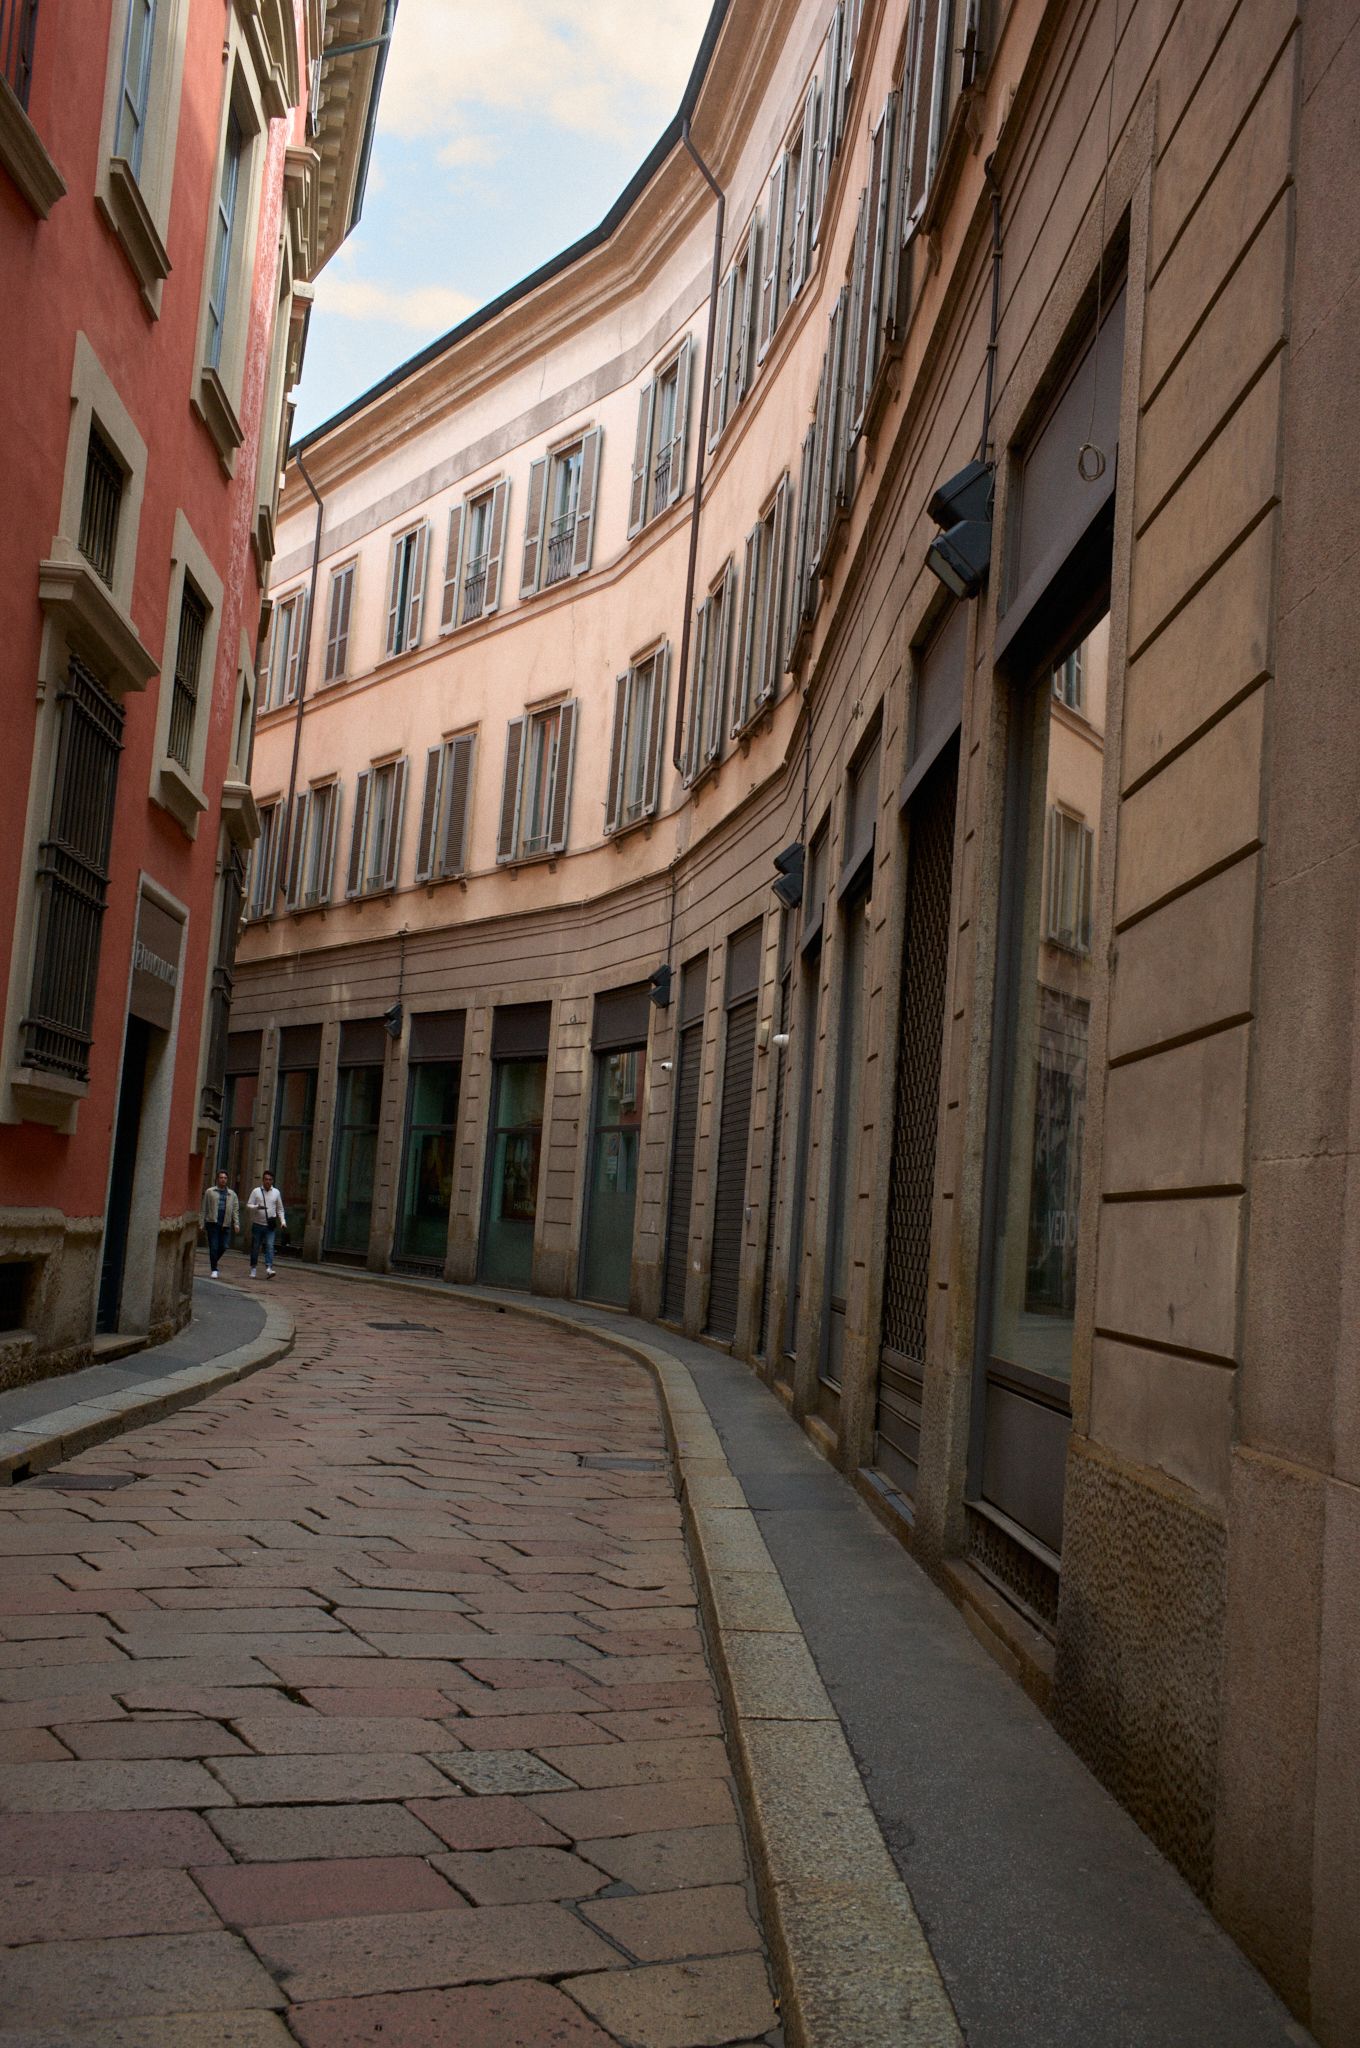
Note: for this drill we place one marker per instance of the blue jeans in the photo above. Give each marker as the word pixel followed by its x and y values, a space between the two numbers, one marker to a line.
pixel 219 1241
pixel 262 1234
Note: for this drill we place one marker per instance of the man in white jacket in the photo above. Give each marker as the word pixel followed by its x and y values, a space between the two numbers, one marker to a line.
pixel 265 1211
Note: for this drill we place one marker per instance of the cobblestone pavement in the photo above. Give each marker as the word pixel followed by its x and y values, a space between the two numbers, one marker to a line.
pixel 366 1703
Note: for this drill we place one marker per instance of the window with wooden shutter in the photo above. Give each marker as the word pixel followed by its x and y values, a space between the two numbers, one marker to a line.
pixel 855 309
pixel 396 814
pixel 337 622
pixel 635 745
pixel 746 303
pixel 415 607
pixel 823 147
pixel 319 858
pixel 584 541
pixel 456 803
pixel 776 603
pixel 297 851
pixel 1070 850
pixel 672 436
pixel 877 320
pixel 495 553
pixel 535 515
pixel 618 739
pixel 453 557
pixel 642 461
pixel 712 669
pixel 264 860
pixel 559 803
pixel 358 829
pixel 772 267
pixel 831 424
pixel 800 246
pixel 406 589
pixel 805 591
pixel 656 731
pixel 749 644
pixel 507 836
pixel 722 358
pixel 429 813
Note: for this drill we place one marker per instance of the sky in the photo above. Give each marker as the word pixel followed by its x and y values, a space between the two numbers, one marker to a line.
pixel 506 130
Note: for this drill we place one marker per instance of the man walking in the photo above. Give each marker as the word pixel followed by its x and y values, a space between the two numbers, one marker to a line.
pixel 265 1210
pixel 221 1219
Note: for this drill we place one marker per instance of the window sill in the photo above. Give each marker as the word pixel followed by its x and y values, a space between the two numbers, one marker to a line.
pixel 546 854
pixel 175 790
pixel 240 814
pixel 23 156
pixel 263 535
pixel 643 823
pixel 218 415
pixel 94 623
pixel 42 1098
pixel 126 211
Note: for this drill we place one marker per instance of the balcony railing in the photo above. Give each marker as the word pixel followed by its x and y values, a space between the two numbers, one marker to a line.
pixel 474 590
pixel 560 544
pixel 661 481
pixel 18 31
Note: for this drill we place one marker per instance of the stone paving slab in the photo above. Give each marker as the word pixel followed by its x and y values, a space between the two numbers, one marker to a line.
pixel 351 1713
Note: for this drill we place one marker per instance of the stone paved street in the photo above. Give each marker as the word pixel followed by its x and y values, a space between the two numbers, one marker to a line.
pixel 367 1703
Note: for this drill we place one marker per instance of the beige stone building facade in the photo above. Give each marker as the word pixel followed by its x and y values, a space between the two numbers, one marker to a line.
pixel 1006 1124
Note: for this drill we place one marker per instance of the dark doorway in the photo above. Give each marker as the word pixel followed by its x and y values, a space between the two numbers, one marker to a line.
pixel 123 1169
pixel 689 1056
pixel 734 1131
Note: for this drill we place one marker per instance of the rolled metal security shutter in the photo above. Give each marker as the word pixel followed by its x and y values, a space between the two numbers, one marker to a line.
pixel 729 1209
pixel 906 1264
pixel 688 1072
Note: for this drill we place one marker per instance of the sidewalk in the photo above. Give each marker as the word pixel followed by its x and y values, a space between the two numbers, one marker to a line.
pixel 230 1334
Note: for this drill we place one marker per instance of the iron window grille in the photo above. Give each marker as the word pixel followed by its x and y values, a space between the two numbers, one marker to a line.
pixel 193 624
pixel 18 33
pixel 221 985
pixel 100 506
pixel 73 877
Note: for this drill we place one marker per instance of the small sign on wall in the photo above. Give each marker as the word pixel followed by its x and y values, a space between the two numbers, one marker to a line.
pixel 156 951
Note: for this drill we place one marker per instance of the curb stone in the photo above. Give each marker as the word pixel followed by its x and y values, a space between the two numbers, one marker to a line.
pixel 853 1965
pixel 32 1447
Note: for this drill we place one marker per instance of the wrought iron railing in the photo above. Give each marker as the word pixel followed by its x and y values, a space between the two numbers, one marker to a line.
pixel 72 881
pixel 101 503
pixel 474 590
pixel 18 32
pixel 560 544
pixel 193 624
pixel 661 481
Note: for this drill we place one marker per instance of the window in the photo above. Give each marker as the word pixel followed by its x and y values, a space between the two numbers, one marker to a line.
pixel 337 622
pixel 283 662
pixel 136 82
pixel 659 452
pixel 73 876
pixel 1068 920
pixel 231 897
pixel 559 524
pixel 834 471
pixel 536 794
pixel 442 847
pixel 193 624
pixel 224 234
pixel 406 589
pixel 872 265
pixel 311 846
pixel 19 21
pixel 472 564
pixel 806 592
pixel 734 343
pixel 761 660
pixel 101 503
pixel 264 860
pixel 375 839
pixel 712 662
pixel 639 732
pixel 1067 681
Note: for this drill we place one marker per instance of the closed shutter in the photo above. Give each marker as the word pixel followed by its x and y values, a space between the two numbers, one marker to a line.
pixel 584 541
pixel 266 666
pixel 829 422
pixel 613 809
pixel 394 599
pixel 495 547
pixel 457 802
pixel 911 1186
pixel 715 675
pixel 276 847
pixel 656 732
pixel 295 652
pixel 821 161
pixel 559 800
pixel 325 852
pixel 356 837
pixel 507 837
pixel 834 79
pixel 688 1075
pixel 337 624
pixel 722 358
pixel 642 457
pixel 395 818
pixel 679 448
pixel 729 1207
pixel 448 611
pixel 859 304
pixel 802 608
pixel 923 100
pixel 297 851
pixel 535 512
pixel 694 735
pixel 721 653
pixel 429 814
pixel 415 609
pixel 745 364
pixel 772 279
pixel 801 238
pixel 748 654
pixel 880 247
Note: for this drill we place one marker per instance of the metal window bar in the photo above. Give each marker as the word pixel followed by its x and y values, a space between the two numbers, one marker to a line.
pixel 100 505
pixel 220 988
pixel 661 479
pixel 193 624
pixel 18 33
pixel 72 879
pixel 561 537
pixel 474 590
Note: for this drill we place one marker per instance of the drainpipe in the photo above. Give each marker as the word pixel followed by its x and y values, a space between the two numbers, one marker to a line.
pixel 990 173
pixel 699 462
pixel 285 850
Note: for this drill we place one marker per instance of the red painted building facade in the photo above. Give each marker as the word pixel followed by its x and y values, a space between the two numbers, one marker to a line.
pixel 172 175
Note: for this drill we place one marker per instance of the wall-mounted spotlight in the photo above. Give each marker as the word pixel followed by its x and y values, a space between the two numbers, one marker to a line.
pixel 659 986
pixel 961 552
pixel 665 1065
pixel 781 1039
pixel 392 1021
pixel 788 882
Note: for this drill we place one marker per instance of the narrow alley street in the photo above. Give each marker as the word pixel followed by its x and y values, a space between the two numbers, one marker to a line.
pixel 366 1702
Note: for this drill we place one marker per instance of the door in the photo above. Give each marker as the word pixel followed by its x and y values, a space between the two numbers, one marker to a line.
pixel 920 1033
pixel 611 1189
pixel 357 1114
pixel 776 1142
pixel 122 1172
pixel 519 1091
pixel 427 1163
pixel 294 1125
pixel 688 1071
pixel 729 1207
pixel 845 1142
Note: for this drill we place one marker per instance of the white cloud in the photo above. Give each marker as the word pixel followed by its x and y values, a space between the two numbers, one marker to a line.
pixel 462 150
pixel 429 308
pixel 597 67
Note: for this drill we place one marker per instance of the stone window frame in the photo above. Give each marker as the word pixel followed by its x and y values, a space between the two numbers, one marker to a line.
pixel 175 786
pixel 136 202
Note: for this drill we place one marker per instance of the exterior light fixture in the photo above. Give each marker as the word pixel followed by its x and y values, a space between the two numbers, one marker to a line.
pixel 788 883
pixel 962 551
pixel 659 986
pixel 392 1021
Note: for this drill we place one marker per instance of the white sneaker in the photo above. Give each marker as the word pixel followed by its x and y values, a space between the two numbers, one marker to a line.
pixel 269 1272
pixel 214 1273
pixel 252 1272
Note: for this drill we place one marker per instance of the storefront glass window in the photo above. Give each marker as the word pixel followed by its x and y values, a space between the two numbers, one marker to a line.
pixel 427 1179
pixel 292 1161
pixel 238 1124
pixel 512 1171
pixel 611 1197
pixel 358 1109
